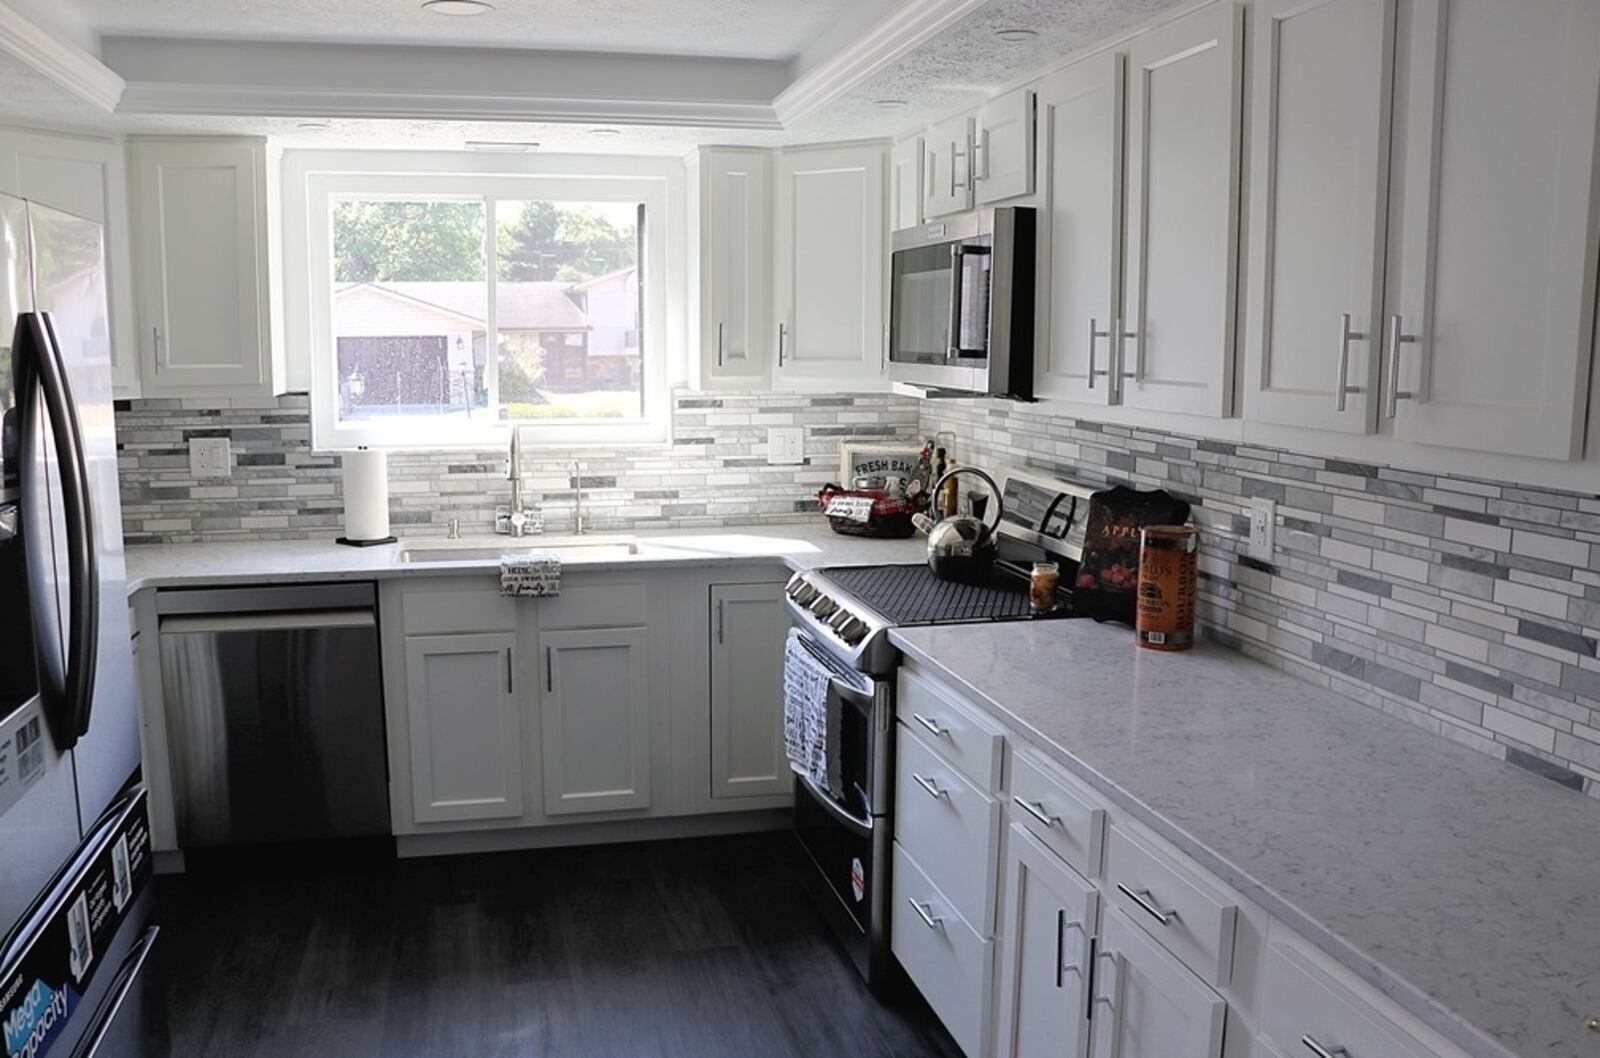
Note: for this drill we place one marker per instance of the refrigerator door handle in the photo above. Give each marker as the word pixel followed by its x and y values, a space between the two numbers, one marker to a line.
pixel 69 699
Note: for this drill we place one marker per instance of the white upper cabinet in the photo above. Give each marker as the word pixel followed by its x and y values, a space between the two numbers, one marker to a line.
pixel 1320 110
pixel 905 184
pixel 1492 302
pixel 1080 183
pixel 202 256
pixel 830 263
pixel 947 167
pixel 736 335
pixel 1004 147
pixel 1182 230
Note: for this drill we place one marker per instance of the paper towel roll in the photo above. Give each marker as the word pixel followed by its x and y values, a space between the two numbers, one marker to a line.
pixel 366 494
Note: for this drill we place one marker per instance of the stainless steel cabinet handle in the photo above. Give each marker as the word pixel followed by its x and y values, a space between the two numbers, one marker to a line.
pixel 1346 336
pixel 1107 1001
pixel 1036 810
pixel 1122 337
pixel 1320 1051
pixel 933 788
pixel 155 347
pixel 510 673
pixel 550 669
pixel 933 726
pixel 781 331
pixel 1397 338
pixel 1062 925
pixel 1095 333
pixel 721 627
pixel 1163 915
pixel 719 345
pixel 925 912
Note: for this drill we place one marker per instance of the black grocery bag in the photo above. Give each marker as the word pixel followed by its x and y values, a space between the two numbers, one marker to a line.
pixel 1108 575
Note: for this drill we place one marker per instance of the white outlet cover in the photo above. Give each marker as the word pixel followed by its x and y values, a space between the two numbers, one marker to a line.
pixel 786 445
pixel 210 457
pixel 1263 529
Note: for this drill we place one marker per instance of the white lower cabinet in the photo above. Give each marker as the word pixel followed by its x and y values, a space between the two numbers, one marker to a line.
pixel 748 629
pixel 1051 913
pixel 465 727
pixel 948 960
pixel 594 719
pixel 1146 1003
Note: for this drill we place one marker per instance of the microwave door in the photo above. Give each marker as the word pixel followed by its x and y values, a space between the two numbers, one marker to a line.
pixel 920 325
pixel 969 303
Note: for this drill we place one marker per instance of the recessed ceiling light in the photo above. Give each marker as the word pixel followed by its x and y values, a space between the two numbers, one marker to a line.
pixel 502 146
pixel 458 7
pixel 314 126
pixel 603 131
pixel 891 104
pixel 1016 36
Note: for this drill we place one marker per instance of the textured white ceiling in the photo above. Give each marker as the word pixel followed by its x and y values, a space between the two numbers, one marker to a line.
pixel 762 29
pixel 29 98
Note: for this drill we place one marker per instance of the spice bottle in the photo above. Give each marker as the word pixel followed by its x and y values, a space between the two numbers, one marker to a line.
pixel 1042 586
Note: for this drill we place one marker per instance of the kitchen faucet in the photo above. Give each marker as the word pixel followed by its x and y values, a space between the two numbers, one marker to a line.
pixel 576 473
pixel 515 520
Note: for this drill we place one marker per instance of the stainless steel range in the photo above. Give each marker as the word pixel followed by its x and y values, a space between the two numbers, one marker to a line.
pixel 843 615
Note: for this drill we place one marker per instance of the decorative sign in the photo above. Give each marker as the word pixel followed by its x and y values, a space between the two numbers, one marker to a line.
pixel 876 461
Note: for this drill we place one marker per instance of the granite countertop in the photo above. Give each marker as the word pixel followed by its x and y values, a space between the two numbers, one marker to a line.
pixel 798 546
pixel 1467 890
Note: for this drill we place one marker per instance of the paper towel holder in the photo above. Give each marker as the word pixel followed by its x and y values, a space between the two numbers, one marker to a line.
pixel 382 485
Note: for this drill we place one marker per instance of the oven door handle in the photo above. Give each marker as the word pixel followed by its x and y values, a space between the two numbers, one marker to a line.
pixel 860 827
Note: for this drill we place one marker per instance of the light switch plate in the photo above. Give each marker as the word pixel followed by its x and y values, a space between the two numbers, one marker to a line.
pixel 210 457
pixel 1263 529
pixel 786 445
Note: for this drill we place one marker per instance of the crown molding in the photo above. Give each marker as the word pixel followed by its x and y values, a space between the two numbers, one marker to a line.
pixel 146 98
pixel 906 29
pixel 64 62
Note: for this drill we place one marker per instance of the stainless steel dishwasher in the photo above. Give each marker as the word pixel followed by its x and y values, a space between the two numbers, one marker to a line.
pixel 274 709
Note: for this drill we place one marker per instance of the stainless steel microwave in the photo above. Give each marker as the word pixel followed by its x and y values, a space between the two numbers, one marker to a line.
pixel 961 304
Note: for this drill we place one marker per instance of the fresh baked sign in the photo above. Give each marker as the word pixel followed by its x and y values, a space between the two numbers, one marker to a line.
pixel 875 461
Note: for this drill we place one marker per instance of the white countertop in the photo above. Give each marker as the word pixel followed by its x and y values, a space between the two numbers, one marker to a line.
pixel 1464 888
pixel 799 546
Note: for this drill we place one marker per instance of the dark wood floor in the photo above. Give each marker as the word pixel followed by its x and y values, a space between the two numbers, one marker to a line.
pixel 682 949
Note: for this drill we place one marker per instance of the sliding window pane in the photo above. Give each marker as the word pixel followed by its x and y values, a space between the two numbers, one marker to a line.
pixel 410 309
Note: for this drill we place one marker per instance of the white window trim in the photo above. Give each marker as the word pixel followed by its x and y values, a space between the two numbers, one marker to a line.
pixel 314 179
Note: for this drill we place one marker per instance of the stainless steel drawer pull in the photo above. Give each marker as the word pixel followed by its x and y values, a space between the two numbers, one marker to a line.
pixel 1095 333
pixel 933 726
pixel 1163 915
pixel 1036 810
pixel 1397 338
pixel 1346 336
pixel 1062 925
pixel 929 785
pixel 925 912
pixel 1323 1052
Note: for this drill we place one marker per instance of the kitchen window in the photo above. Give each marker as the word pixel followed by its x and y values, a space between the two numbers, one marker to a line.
pixel 445 309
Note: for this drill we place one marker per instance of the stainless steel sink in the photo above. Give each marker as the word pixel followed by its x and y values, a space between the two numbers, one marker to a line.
pixel 572 548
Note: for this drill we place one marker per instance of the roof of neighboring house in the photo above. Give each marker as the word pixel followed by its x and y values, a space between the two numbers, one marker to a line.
pixel 523 305
pixel 621 274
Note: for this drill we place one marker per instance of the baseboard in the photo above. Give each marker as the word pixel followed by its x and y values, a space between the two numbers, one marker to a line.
pixel 408 846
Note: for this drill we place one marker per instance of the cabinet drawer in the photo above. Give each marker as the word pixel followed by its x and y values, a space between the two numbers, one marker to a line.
pixel 471 610
pixel 583 605
pixel 1304 1006
pixel 1179 909
pixel 1066 820
pixel 941 953
pixel 948 824
pixel 967 739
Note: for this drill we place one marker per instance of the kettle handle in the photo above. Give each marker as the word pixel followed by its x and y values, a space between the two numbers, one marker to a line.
pixel 999 497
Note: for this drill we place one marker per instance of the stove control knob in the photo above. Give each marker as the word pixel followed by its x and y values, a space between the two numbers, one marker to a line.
pixel 840 619
pixel 805 594
pixel 795 587
pixel 854 631
pixel 824 606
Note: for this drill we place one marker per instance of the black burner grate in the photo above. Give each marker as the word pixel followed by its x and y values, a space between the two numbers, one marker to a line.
pixel 912 595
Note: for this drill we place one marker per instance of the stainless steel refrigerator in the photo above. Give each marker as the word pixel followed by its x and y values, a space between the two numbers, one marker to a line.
pixel 75 859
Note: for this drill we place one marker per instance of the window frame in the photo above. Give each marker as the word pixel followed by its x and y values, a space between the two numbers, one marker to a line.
pixel 324 189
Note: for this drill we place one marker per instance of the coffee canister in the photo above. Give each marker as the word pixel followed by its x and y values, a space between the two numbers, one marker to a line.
pixel 1164 613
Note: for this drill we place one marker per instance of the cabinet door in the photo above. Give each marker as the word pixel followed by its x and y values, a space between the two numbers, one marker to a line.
pixel 200 225
pixel 748 628
pixel 594 719
pixel 905 183
pixel 736 261
pixel 1494 302
pixel 1004 147
pixel 1318 211
pixel 465 727
pixel 1050 915
pixel 1080 174
pixel 1147 1004
pixel 947 167
pixel 830 265
pixel 1183 183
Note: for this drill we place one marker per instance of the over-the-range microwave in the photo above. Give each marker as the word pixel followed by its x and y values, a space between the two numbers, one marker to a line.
pixel 961 304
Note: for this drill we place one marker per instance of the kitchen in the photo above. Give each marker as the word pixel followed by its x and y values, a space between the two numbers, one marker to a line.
pixel 539 528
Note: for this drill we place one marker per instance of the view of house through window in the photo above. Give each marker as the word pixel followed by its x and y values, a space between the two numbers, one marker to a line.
pixel 415 313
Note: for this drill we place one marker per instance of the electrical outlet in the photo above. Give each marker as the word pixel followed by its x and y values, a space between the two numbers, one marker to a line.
pixel 210 457
pixel 1263 529
pixel 786 445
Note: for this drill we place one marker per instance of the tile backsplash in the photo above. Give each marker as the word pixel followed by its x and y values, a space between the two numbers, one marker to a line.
pixel 1467 607
pixel 714 471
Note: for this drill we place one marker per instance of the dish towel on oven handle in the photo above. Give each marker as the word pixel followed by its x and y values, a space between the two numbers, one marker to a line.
pixel 531 574
pixel 810 718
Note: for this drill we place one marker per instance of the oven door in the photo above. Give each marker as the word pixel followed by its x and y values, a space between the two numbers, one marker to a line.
pixel 940 305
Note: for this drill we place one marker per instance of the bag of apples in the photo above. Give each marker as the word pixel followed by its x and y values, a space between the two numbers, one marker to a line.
pixel 1109 571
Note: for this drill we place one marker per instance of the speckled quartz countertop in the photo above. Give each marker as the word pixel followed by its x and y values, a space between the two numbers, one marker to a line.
pixel 1467 890
pixel 800 546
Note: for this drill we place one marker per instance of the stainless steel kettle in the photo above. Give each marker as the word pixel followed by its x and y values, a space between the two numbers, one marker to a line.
pixel 963 548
